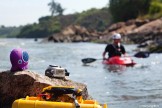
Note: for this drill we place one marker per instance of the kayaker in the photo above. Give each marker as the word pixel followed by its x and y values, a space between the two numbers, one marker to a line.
pixel 19 60
pixel 116 48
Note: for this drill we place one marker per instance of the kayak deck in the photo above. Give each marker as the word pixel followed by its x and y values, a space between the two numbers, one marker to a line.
pixel 126 61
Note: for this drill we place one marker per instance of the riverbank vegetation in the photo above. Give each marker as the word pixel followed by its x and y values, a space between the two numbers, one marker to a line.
pixel 7 32
pixel 92 19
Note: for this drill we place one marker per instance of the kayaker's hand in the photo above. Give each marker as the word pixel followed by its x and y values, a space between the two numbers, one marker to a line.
pixel 125 55
pixel 104 58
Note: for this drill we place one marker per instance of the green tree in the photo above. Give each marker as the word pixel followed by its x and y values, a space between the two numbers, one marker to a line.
pixel 46 26
pixel 2 26
pixel 60 10
pixel 156 7
pixel 32 31
pixel 55 8
pixel 123 10
pixel 51 25
pixel 94 19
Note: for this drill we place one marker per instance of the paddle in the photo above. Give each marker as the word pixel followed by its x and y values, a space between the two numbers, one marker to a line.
pixel 140 54
pixel 89 60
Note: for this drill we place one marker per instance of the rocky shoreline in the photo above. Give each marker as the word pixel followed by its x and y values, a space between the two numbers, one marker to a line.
pixel 146 33
pixel 27 83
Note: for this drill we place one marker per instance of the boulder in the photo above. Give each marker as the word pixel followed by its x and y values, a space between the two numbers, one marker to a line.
pixel 138 31
pixel 27 83
pixel 74 33
pixel 149 27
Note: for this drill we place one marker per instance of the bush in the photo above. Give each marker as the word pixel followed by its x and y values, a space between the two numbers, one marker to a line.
pixel 155 7
pixel 123 10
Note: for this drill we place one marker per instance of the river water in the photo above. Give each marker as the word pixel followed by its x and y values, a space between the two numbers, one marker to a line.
pixel 133 87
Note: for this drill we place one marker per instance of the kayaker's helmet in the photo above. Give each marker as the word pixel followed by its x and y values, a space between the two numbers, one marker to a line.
pixel 116 36
pixel 19 60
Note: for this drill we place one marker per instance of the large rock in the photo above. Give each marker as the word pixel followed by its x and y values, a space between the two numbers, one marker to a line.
pixel 136 31
pixel 74 33
pixel 20 84
pixel 152 26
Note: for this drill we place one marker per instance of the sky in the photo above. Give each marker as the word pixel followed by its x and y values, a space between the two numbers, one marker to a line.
pixel 22 12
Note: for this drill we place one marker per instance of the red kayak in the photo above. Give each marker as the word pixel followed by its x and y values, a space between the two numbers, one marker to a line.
pixel 117 60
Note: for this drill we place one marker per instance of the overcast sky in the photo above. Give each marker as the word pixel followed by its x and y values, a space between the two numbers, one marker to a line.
pixel 22 12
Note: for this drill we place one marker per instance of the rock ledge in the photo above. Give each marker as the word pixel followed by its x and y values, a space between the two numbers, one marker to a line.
pixel 26 83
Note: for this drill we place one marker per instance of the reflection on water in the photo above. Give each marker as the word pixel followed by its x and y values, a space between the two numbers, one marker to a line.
pixel 131 87
pixel 115 68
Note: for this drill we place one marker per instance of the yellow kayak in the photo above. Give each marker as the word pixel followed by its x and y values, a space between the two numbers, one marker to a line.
pixel 57 97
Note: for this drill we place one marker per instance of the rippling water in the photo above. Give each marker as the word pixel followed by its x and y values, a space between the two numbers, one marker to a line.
pixel 133 87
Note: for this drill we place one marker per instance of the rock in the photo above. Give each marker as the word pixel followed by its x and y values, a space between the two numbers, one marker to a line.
pixel 68 31
pixel 116 26
pixel 26 83
pixel 149 27
pixel 139 23
pixel 77 38
pixel 136 31
pixel 146 44
pixel 74 33
pixel 155 48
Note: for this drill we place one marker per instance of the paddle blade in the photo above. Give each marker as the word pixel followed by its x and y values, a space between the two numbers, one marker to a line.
pixel 88 60
pixel 142 54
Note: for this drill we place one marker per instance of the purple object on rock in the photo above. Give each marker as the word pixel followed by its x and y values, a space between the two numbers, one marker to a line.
pixel 19 60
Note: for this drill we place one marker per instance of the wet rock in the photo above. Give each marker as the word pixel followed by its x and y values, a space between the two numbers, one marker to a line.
pixel 146 44
pixel 155 48
pixel 26 83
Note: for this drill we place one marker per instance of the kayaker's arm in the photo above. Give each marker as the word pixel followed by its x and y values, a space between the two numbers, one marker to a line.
pixel 123 51
pixel 103 55
pixel 106 51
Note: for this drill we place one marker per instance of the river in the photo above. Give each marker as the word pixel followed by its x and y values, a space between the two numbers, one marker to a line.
pixel 134 87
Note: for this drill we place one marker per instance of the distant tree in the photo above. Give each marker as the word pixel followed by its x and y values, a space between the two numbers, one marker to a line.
pixel 55 8
pixel 60 10
pixel 46 18
pixel 2 26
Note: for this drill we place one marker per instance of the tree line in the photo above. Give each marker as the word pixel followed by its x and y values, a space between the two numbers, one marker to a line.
pixel 123 10
pixel 93 19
